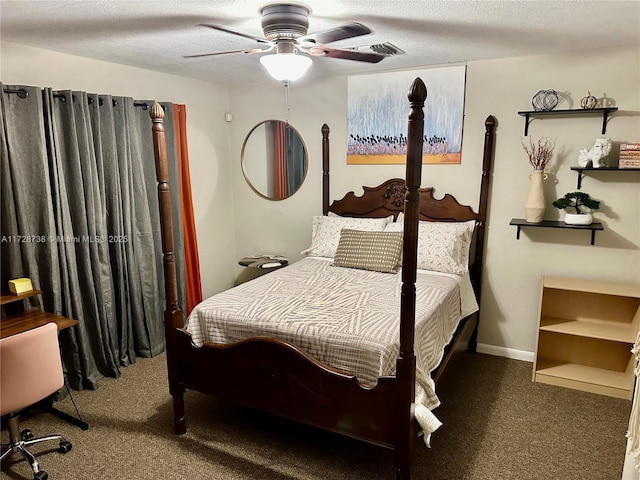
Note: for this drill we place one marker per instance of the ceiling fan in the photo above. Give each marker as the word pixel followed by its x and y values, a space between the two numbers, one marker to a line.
pixel 285 28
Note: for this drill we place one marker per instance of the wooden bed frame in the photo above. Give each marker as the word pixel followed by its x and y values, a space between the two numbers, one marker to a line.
pixel 273 376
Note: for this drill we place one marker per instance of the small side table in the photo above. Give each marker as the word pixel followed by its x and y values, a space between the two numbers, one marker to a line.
pixel 259 265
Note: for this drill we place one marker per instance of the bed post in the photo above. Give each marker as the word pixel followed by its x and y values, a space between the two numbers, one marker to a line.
pixel 325 169
pixel 476 270
pixel 406 362
pixel 172 313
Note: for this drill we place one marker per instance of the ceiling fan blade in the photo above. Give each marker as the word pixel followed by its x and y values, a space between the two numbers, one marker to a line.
pixel 342 32
pixel 232 32
pixel 248 51
pixel 324 51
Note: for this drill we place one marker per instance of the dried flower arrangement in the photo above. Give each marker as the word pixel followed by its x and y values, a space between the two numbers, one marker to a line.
pixel 540 152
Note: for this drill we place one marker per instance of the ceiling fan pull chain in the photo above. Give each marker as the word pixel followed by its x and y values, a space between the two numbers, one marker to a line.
pixel 286 98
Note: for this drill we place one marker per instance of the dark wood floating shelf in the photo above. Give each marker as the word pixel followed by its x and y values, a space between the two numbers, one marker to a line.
pixel 581 171
pixel 521 222
pixel 605 111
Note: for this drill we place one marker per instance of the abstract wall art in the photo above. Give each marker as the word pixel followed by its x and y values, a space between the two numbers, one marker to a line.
pixel 377 116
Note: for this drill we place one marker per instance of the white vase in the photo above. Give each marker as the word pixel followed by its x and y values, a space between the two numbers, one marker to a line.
pixel 535 204
pixel 578 218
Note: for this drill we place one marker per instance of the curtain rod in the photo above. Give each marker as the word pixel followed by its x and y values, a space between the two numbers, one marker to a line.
pixel 22 93
pixel 63 97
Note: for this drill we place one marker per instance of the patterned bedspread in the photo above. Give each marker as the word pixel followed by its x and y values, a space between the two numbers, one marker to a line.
pixel 344 317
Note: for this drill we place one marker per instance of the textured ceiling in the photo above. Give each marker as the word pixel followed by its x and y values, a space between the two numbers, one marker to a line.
pixel 156 34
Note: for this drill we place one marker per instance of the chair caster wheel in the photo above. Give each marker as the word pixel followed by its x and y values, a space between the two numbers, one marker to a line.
pixel 26 434
pixel 41 475
pixel 64 446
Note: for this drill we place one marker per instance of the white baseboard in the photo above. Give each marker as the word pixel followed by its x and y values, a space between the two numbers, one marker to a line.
pixel 505 352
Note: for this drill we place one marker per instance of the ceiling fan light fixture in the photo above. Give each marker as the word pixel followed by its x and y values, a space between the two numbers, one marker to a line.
pixel 286 66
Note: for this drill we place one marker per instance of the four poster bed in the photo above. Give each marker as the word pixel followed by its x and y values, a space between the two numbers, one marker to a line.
pixel 269 367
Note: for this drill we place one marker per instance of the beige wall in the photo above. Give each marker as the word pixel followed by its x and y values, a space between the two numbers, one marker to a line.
pixel 232 221
pixel 514 267
pixel 207 134
pixel 501 88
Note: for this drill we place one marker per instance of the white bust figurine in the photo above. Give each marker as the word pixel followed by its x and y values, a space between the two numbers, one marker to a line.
pixel 601 148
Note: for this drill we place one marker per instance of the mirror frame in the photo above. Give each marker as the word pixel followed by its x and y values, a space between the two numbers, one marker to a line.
pixel 244 170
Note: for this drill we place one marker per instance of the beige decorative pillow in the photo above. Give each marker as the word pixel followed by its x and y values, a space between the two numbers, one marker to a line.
pixel 376 251
pixel 325 233
pixel 442 246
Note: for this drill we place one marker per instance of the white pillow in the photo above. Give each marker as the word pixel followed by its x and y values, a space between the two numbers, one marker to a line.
pixel 442 246
pixel 325 232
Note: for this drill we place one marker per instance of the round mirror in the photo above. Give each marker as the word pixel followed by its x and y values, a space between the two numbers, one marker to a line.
pixel 274 159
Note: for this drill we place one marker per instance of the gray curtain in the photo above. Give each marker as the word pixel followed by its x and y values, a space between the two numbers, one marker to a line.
pixel 80 218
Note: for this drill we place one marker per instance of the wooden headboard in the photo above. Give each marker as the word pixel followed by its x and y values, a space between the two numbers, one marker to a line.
pixel 388 199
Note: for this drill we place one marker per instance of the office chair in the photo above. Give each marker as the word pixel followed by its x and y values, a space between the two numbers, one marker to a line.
pixel 30 371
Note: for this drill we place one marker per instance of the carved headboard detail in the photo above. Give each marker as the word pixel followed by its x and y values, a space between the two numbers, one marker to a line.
pixel 381 201
pixel 395 193
pixel 388 199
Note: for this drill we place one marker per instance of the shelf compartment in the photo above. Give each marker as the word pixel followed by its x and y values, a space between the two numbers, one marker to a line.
pixel 590 352
pixel 590 309
pixel 529 114
pixel 591 286
pixel 581 377
pixel 604 329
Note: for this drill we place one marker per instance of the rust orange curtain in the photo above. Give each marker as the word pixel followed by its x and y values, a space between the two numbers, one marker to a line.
pixel 193 287
pixel 279 162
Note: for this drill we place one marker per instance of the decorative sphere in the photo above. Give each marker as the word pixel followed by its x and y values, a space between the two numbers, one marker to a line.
pixel 588 102
pixel 544 100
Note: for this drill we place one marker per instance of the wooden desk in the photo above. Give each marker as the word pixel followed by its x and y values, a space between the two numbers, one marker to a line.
pixel 22 320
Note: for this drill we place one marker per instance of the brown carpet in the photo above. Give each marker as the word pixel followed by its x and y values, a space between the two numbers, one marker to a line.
pixel 498 425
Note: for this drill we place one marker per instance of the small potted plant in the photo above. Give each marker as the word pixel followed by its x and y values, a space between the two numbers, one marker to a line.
pixel 583 205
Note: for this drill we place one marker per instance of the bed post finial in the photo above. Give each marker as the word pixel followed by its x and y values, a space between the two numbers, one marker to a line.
pixel 172 313
pixel 417 92
pixel 157 113
pixel 490 122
